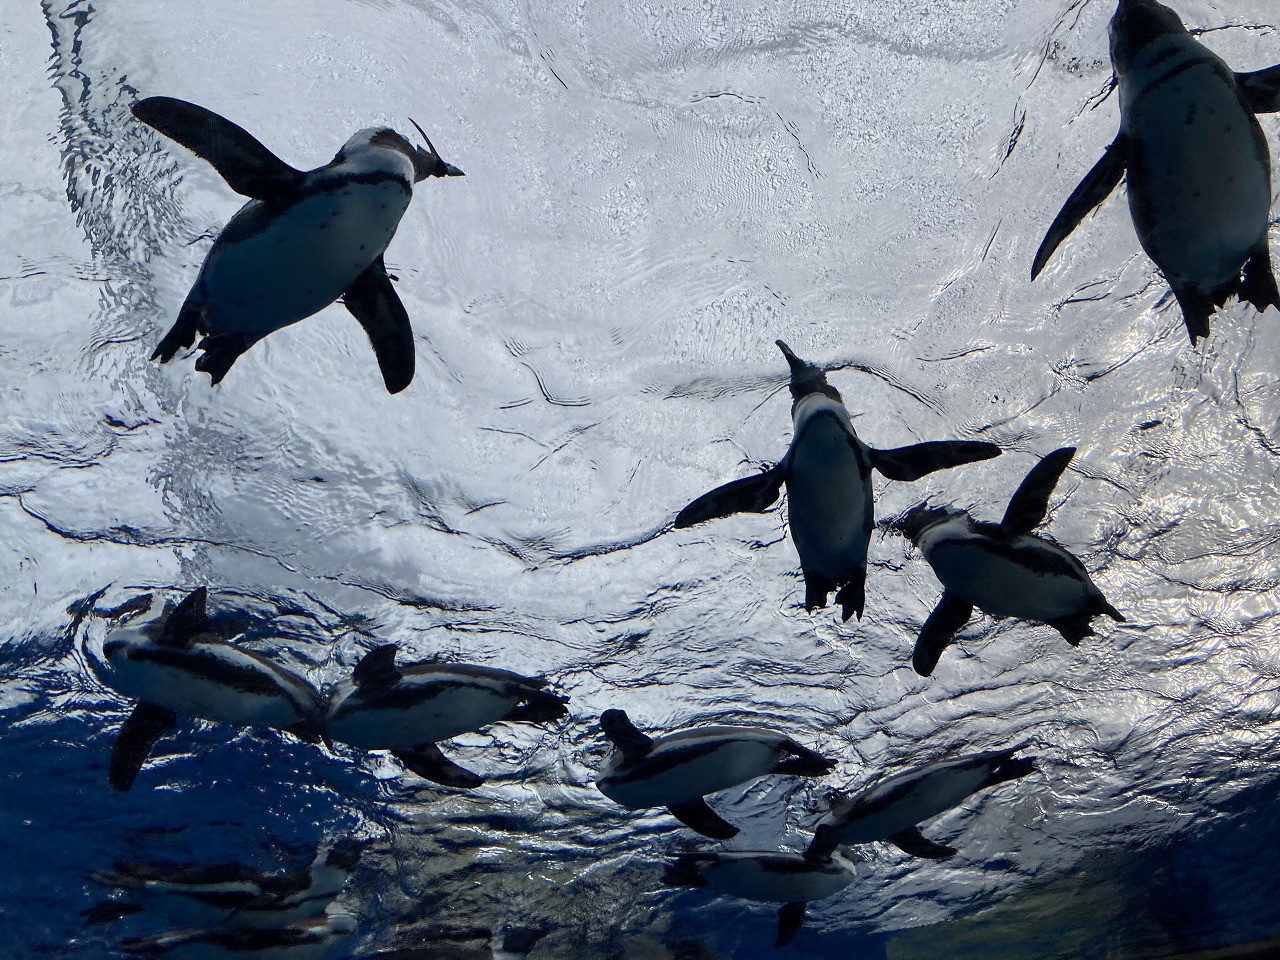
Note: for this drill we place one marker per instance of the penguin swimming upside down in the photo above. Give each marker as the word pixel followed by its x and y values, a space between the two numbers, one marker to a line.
pixel 827 471
pixel 406 710
pixel 176 665
pixel 892 809
pixel 677 770
pixel 1196 162
pixel 1003 568
pixel 303 240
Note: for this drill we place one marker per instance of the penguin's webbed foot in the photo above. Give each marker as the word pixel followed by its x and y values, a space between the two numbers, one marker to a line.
pixel 221 350
pixel 182 334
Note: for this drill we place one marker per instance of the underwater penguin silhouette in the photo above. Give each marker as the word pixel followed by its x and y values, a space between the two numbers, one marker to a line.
pixel 1196 161
pixel 827 470
pixel 1003 568
pixel 303 240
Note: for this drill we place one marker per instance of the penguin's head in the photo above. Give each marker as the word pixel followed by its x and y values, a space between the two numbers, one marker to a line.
pixel 914 522
pixel 423 162
pixel 427 163
pixel 1137 23
pixel 122 642
pixel 806 378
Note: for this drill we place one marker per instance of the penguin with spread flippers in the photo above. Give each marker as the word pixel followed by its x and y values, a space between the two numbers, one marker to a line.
pixel 1003 568
pixel 406 710
pixel 892 809
pixel 1196 162
pixel 232 894
pixel 678 769
pixel 827 471
pixel 303 240
pixel 325 937
pixel 766 876
pixel 176 665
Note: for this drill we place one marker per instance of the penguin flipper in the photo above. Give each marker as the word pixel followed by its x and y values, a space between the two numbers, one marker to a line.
pixel 377 669
pixel 914 842
pixel 1030 502
pixel 1088 194
pixel 187 619
pixel 754 494
pixel 947 617
pixel 429 763
pixel 790 919
pixel 1259 283
pixel 372 300
pixel 626 737
pixel 696 815
pixel 248 167
pixel 1261 89
pixel 182 334
pixel 134 742
pixel 221 351
pixel 919 459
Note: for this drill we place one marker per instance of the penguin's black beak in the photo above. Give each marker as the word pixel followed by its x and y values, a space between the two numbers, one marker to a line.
pixel 427 163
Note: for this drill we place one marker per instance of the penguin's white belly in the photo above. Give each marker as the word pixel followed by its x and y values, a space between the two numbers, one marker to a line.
pixel 928 797
pixel 191 694
pixel 452 711
pixel 268 270
pixel 725 766
pixel 828 502
pixel 1200 194
pixel 747 878
pixel 1002 586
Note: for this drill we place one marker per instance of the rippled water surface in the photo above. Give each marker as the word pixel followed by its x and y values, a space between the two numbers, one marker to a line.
pixel 654 193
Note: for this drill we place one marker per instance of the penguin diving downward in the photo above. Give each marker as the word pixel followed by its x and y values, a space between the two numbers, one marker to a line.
pixel 176 665
pixel 675 771
pixel 768 876
pixel 827 470
pixel 303 240
pixel 407 709
pixel 891 809
pixel 1003 568
pixel 231 894
pixel 1196 161
pixel 324 937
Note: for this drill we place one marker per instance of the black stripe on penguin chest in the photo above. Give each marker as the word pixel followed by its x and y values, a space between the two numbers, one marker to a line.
pixel 242 677
pixel 406 696
pixel 258 216
pixel 664 760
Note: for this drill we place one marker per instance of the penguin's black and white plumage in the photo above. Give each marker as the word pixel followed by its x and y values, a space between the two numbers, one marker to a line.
pixel 893 809
pixel 678 769
pixel 480 944
pixel 765 876
pixel 325 937
pixel 175 665
pixel 303 240
pixel 406 710
pixel 1196 163
pixel 231 894
pixel 827 470
pixel 1003 568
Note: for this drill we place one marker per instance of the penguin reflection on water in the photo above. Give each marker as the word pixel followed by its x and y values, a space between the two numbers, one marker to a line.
pixel 677 770
pixel 176 665
pixel 303 240
pixel 827 471
pixel 1196 161
pixel 1003 568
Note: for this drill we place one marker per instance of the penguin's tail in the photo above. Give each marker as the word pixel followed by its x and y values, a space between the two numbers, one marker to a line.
pixel 540 706
pixel 804 762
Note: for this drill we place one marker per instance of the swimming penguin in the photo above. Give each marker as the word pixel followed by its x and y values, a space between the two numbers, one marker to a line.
pixel 1003 568
pixel 891 809
pixel 676 770
pixel 1196 160
pixel 768 876
pixel 407 709
pixel 827 470
pixel 303 240
pixel 232 894
pixel 175 665
pixel 479 944
pixel 325 937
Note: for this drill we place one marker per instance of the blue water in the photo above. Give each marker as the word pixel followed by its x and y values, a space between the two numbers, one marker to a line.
pixel 653 195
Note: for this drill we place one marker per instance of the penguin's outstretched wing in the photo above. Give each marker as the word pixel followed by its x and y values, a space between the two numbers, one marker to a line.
pixel 748 495
pixel 914 842
pixel 1261 89
pixel 429 763
pixel 947 617
pixel 790 919
pixel 919 459
pixel 248 167
pixel 1030 502
pixel 1091 191
pixel 696 815
pixel 137 736
pixel 372 300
